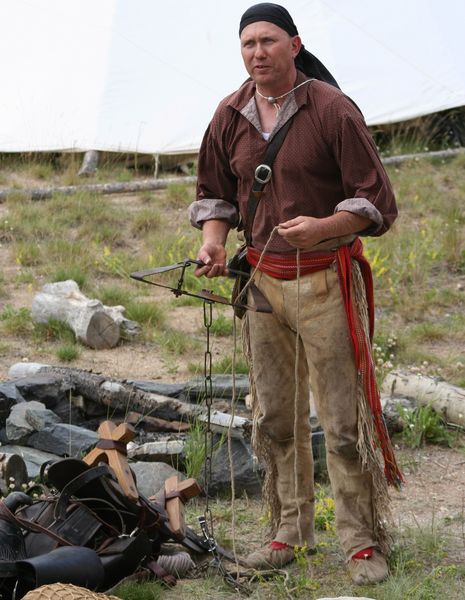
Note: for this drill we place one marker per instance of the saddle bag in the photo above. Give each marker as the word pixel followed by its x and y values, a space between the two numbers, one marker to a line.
pixel 83 531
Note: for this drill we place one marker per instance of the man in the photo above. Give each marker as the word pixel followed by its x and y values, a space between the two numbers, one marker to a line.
pixel 327 186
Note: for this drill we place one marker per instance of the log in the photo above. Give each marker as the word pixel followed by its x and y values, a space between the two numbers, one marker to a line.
pixel 13 473
pixel 444 398
pixel 167 451
pixel 122 397
pixel 155 423
pixel 94 324
pixel 97 188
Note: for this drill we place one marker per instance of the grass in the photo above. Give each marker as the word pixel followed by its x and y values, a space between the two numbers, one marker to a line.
pixel 222 325
pixel 16 322
pixel 422 425
pixel 179 195
pixel 223 365
pixel 73 272
pixel 68 353
pixel 176 342
pixel 147 313
pixel 53 330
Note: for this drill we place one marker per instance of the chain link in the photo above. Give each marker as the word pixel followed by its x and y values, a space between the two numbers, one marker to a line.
pixel 208 441
pixel 208 384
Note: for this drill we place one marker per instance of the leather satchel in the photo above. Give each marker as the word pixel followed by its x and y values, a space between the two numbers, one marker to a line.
pixel 86 532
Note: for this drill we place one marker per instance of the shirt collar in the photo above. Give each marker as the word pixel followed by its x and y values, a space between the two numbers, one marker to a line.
pixel 243 100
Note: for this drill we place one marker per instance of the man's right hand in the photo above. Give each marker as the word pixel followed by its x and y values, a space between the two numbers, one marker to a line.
pixel 214 257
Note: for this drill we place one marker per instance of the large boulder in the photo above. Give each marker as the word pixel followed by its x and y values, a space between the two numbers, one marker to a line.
pixel 151 476
pixel 43 387
pixel 64 440
pixel 247 473
pixel 23 419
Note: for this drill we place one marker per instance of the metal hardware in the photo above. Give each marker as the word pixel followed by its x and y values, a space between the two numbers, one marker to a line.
pixel 178 290
pixel 263 174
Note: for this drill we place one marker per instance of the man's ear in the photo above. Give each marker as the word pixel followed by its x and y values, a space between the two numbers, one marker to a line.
pixel 296 45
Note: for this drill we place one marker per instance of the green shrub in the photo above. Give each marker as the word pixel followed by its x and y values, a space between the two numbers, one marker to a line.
pixel 16 321
pixel 423 425
pixel 68 353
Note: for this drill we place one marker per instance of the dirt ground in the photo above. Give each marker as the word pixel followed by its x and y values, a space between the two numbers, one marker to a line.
pixel 435 490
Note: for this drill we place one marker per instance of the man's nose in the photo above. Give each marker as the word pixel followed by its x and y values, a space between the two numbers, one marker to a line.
pixel 259 51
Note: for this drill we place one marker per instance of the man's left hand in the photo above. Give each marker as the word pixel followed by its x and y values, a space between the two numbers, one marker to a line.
pixel 302 232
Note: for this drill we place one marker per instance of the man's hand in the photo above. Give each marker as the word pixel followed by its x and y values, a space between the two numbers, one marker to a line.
pixel 302 232
pixel 212 252
pixel 214 257
pixel 306 232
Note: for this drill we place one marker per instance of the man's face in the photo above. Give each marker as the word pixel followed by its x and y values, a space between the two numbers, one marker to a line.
pixel 268 53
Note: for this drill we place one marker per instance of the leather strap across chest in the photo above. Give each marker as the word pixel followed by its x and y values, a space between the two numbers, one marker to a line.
pixel 262 176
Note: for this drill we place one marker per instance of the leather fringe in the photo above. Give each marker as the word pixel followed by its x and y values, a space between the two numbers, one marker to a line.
pixel 369 453
pixel 261 443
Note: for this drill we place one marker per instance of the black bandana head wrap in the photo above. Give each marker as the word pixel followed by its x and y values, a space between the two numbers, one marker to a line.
pixel 278 15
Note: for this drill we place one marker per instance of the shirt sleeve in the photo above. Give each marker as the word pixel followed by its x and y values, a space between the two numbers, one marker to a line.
pixel 367 189
pixel 216 184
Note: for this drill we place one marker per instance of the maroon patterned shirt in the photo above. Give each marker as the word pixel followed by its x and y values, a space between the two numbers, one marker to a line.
pixel 328 162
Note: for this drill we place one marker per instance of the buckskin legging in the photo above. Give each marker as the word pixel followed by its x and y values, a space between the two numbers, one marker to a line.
pixel 326 359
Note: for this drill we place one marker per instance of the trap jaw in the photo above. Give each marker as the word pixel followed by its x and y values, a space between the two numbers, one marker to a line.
pixel 179 290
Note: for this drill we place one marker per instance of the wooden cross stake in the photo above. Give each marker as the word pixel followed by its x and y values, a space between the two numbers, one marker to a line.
pixel 111 449
pixel 177 493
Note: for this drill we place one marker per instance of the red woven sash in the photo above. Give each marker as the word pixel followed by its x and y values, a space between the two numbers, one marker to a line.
pixel 283 266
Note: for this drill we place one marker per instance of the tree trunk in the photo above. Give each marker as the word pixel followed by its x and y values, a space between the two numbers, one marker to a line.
pixel 94 324
pixel 444 398
pixel 124 397
pixel 98 188
pixel 89 163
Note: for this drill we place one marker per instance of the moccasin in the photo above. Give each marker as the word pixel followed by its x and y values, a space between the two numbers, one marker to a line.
pixel 370 570
pixel 269 558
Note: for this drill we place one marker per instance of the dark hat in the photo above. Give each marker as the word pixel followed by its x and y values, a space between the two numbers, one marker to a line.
pixel 305 61
pixel 273 13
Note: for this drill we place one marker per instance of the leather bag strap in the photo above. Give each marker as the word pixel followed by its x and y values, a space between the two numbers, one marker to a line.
pixel 77 483
pixel 262 175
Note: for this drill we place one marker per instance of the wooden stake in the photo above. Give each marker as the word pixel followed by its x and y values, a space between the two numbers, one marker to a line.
pixel 114 457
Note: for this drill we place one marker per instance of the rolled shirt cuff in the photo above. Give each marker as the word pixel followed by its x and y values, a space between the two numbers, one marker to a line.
pixel 212 208
pixel 364 208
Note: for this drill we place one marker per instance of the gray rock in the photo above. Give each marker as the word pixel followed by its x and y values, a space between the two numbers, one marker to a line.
pixel 247 474
pixel 167 451
pixel 63 440
pixel 8 391
pixel 33 458
pixel 40 418
pixel 151 476
pixel 25 369
pixel 8 397
pixel 70 412
pixel 43 387
pixel 3 439
pixel 18 427
pixel 319 453
pixel 171 390
pixel 222 387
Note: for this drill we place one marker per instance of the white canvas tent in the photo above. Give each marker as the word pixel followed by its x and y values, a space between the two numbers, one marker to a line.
pixel 145 76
